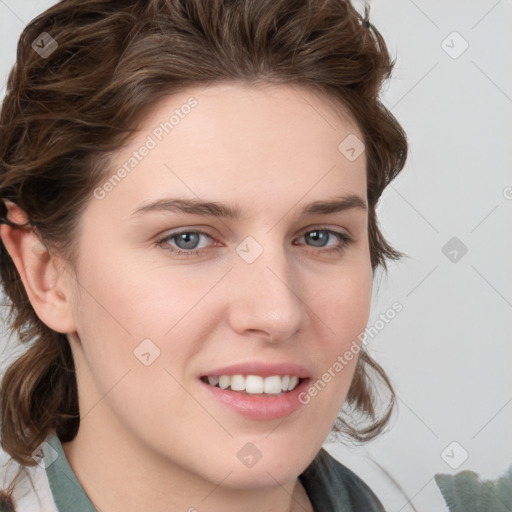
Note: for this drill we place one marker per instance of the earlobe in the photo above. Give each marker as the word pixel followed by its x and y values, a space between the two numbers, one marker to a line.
pixel 45 282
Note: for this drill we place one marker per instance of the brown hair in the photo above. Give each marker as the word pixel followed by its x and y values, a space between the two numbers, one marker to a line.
pixel 64 113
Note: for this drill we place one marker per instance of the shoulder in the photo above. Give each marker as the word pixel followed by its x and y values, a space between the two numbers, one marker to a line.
pixel 31 493
pixel 332 486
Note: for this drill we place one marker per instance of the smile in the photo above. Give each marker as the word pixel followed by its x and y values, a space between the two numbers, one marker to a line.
pixel 254 384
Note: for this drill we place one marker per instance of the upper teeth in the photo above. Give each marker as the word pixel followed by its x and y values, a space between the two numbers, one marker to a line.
pixel 255 384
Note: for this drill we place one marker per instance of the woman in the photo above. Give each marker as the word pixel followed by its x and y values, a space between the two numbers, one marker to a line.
pixel 189 239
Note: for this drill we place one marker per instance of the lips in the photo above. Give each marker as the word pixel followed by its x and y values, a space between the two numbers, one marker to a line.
pixel 257 390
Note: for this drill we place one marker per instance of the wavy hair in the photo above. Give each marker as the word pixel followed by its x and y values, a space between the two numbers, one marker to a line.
pixel 65 113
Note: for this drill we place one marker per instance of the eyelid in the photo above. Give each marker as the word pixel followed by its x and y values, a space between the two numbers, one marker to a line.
pixel 343 239
pixel 320 227
pixel 302 232
pixel 168 236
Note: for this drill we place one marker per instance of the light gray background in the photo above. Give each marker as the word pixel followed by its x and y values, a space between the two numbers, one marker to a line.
pixel 448 353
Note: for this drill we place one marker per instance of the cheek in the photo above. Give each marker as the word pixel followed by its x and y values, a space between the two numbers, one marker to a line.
pixel 131 296
pixel 131 373
pixel 131 312
pixel 342 304
pixel 343 308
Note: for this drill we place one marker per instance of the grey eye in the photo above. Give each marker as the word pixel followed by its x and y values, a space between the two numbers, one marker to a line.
pixel 318 237
pixel 187 240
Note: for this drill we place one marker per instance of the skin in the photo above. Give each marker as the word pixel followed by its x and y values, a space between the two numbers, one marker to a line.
pixel 270 150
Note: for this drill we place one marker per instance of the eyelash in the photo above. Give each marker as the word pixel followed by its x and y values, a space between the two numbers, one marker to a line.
pixel 345 240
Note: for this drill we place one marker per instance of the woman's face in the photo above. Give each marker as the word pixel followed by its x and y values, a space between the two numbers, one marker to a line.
pixel 269 291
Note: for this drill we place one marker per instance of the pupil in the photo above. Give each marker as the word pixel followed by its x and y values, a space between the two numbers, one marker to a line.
pixel 190 240
pixel 318 236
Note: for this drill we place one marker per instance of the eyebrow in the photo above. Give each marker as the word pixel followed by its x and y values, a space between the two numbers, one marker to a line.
pixel 216 209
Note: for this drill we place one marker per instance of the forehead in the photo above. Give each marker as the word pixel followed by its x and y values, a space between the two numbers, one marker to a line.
pixel 231 104
pixel 269 141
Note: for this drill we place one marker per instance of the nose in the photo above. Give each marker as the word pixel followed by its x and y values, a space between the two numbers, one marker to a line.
pixel 265 296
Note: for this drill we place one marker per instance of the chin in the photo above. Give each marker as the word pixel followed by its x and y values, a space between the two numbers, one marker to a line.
pixel 267 475
pixel 269 466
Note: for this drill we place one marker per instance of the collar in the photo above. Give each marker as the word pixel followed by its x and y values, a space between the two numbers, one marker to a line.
pixel 67 492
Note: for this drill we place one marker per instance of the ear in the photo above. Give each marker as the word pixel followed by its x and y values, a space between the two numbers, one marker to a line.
pixel 47 283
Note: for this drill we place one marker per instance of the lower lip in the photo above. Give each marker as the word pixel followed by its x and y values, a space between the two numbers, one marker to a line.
pixel 258 407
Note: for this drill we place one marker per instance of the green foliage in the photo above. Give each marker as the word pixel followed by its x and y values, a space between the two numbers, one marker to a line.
pixel 465 492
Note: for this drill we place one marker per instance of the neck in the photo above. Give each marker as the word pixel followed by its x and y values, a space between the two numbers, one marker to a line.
pixel 108 463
